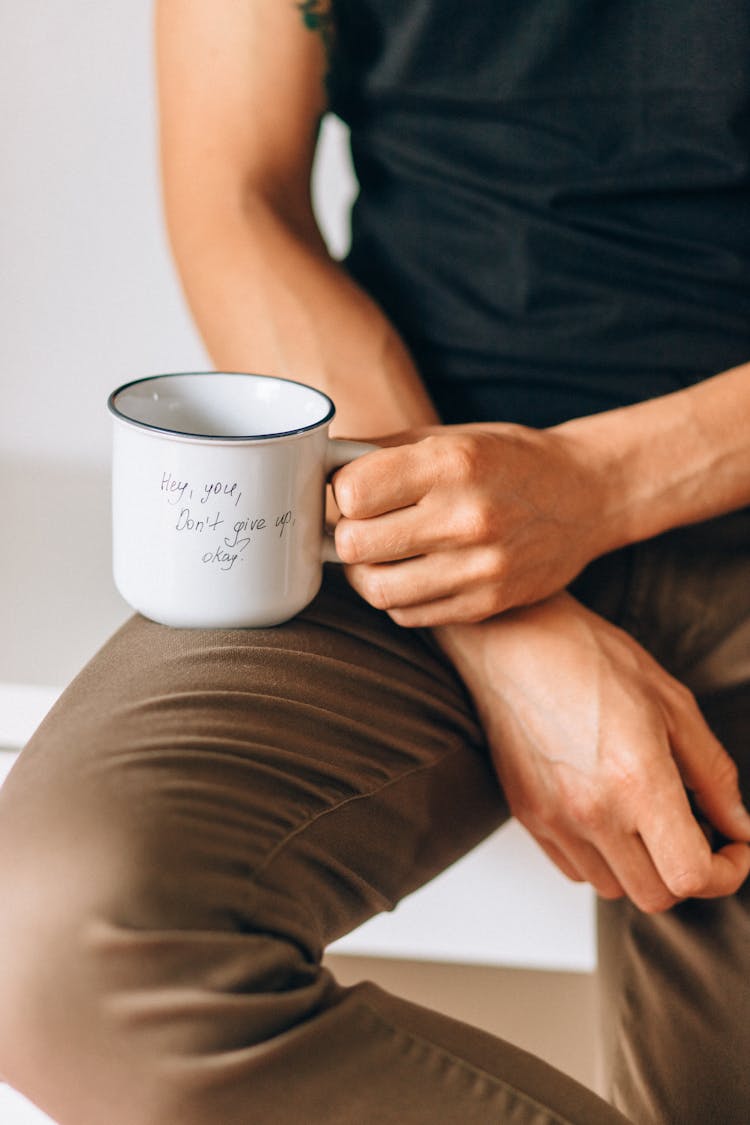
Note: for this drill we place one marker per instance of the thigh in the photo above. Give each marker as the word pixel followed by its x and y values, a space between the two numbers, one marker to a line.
pixel 201 813
pixel 296 779
pixel 676 987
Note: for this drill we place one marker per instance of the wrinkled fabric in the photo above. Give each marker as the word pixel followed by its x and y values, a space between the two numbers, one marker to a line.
pixel 203 811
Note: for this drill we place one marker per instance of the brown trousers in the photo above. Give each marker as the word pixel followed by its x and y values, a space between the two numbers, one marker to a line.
pixel 204 811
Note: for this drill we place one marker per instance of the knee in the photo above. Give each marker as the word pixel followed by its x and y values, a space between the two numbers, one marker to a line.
pixel 59 872
pixel 116 958
pixel 77 858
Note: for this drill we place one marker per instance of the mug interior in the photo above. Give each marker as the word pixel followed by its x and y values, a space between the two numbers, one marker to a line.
pixel 223 405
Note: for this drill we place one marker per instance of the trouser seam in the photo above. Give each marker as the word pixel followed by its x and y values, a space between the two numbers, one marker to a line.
pixel 470 1066
pixel 346 801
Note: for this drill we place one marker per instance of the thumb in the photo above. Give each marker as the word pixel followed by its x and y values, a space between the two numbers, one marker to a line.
pixel 712 776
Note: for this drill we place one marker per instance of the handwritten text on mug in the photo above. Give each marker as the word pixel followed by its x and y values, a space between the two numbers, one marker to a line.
pixel 193 520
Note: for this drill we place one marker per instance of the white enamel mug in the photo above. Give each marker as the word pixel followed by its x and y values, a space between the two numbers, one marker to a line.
pixel 218 496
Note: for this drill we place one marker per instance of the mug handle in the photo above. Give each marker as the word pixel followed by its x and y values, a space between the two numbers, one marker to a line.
pixel 341 452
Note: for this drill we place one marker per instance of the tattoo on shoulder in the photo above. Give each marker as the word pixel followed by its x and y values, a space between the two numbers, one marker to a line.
pixel 317 17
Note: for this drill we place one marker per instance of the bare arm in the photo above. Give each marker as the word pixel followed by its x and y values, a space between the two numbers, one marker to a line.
pixel 487 517
pixel 241 93
pixel 673 460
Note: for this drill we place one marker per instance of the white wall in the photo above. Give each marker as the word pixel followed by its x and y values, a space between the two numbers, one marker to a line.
pixel 88 295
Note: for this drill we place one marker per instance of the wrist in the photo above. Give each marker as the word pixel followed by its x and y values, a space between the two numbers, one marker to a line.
pixel 463 645
pixel 603 468
pixel 642 462
pixel 466 643
pixel 673 460
pixel 486 653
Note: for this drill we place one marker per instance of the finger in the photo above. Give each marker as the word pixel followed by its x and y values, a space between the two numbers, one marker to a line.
pixel 679 848
pixel 417 579
pixel 582 863
pixel 670 833
pixel 730 868
pixel 375 585
pixel 635 870
pixel 382 482
pixel 464 609
pixel 560 861
pixel 707 769
pixel 391 537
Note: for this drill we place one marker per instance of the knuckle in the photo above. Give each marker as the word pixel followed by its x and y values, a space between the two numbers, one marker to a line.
pixel 347 546
pixel 691 880
pixel 586 807
pixel 626 778
pixel 477 520
pixel 374 590
pixel 683 698
pixel 590 815
pixel 461 458
pixel 655 902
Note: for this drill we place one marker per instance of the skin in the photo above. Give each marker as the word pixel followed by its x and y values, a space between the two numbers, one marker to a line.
pixel 473 531
pixel 470 521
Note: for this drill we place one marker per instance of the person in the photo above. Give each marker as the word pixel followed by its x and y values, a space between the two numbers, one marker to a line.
pixel 544 609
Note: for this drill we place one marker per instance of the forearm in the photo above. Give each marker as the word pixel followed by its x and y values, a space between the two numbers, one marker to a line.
pixel 671 461
pixel 241 90
pixel 267 297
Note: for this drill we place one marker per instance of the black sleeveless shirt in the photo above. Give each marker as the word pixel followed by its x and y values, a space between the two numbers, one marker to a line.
pixel 555 194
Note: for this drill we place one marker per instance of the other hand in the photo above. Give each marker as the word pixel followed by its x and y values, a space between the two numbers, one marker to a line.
pixel 597 748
